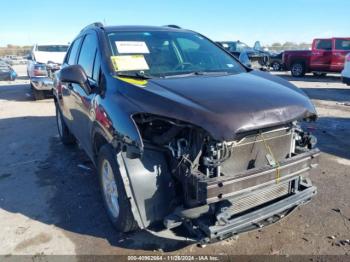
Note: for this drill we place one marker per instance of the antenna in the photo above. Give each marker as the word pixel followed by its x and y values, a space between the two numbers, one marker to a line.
pixel 173 26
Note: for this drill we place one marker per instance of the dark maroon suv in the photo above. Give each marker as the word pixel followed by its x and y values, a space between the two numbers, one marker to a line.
pixel 182 134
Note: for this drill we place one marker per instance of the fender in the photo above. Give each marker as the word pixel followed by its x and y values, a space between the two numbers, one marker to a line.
pixel 117 126
pixel 148 185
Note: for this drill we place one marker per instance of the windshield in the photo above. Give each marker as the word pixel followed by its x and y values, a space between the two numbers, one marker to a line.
pixel 164 53
pixel 240 47
pixel 52 48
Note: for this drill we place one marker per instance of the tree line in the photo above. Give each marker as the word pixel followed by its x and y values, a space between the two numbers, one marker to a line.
pixel 289 46
pixel 15 50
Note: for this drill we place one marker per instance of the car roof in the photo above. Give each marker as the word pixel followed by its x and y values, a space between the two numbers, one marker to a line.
pixel 136 28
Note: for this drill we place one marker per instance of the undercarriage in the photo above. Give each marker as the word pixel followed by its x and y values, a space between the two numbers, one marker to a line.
pixel 223 188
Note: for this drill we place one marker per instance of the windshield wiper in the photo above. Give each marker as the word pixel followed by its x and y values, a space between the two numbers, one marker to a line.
pixel 137 75
pixel 198 73
pixel 211 73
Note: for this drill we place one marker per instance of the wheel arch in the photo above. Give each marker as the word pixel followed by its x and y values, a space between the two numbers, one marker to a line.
pixel 301 61
pixel 99 138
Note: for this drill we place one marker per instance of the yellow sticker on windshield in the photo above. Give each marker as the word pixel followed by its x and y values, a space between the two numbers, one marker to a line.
pixel 129 62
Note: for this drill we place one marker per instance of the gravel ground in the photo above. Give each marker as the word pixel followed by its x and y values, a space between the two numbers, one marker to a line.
pixel 50 205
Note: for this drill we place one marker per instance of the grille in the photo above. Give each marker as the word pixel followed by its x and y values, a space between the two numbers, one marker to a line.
pixel 258 198
pixel 251 152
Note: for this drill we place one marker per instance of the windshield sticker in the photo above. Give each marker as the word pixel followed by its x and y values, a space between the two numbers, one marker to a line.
pixel 131 47
pixel 230 65
pixel 129 62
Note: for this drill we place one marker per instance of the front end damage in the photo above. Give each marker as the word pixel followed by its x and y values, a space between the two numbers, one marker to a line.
pixel 217 189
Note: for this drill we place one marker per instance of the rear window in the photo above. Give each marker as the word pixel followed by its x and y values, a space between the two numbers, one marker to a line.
pixel 40 67
pixel 342 44
pixel 52 48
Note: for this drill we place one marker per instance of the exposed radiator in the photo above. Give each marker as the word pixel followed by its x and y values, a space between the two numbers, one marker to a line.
pixel 251 151
pixel 260 197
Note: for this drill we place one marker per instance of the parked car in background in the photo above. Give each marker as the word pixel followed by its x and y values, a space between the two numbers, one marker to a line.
pixel 326 56
pixel 7 72
pixel 276 61
pixel 258 58
pixel 182 134
pixel 345 74
pixel 43 61
pixel 14 60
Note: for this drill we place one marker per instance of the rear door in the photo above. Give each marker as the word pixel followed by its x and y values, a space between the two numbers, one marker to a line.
pixel 89 59
pixel 66 104
pixel 321 57
pixel 340 50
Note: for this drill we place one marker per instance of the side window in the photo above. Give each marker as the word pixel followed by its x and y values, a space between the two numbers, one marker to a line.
pixel 97 67
pixel 342 44
pixel 233 47
pixel 73 52
pixel 324 44
pixel 87 54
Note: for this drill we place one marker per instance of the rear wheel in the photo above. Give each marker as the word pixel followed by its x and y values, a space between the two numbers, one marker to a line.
pixel 66 136
pixel 114 196
pixel 298 69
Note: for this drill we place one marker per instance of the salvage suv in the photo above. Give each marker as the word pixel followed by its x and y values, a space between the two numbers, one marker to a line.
pixel 182 134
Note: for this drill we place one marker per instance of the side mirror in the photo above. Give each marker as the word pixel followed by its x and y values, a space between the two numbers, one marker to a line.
pixel 75 74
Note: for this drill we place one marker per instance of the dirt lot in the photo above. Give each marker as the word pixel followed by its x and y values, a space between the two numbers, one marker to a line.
pixel 50 205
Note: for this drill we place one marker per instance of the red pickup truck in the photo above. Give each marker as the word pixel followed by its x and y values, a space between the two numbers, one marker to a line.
pixel 326 56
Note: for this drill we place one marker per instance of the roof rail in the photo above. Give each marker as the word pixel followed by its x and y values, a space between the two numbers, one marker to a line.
pixel 96 24
pixel 173 26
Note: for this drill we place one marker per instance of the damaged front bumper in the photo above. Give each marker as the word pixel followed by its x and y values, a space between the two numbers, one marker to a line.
pixel 41 83
pixel 260 217
pixel 247 201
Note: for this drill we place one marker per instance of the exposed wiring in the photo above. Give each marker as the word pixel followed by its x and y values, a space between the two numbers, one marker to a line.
pixel 278 175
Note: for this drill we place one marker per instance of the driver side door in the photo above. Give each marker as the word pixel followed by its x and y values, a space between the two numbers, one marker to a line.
pixel 321 57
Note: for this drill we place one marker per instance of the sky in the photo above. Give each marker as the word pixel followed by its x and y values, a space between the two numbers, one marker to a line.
pixel 25 22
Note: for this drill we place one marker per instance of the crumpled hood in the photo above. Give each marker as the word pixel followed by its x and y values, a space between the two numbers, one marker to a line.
pixel 44 57
pixel 224 105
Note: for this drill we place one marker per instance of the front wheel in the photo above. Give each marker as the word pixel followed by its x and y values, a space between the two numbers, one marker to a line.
pixel 113 192
pixel 298 69
pixel 38 94
pixel 276 66
pixel 66 136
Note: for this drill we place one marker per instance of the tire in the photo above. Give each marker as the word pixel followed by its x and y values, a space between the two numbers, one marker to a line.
pixel 38 95
pixel 12 78
pixel 298 69
pixel 66 136
pixel 276 66
pixel 117 205
pixel 319 74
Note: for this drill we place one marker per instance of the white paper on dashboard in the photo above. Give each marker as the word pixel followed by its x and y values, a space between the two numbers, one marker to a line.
pixel 131 47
